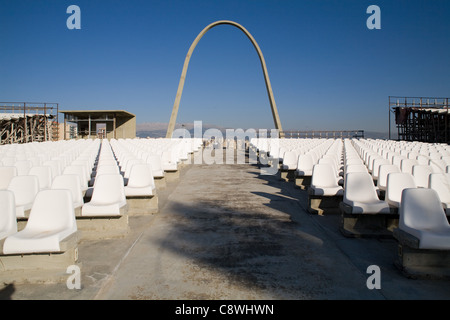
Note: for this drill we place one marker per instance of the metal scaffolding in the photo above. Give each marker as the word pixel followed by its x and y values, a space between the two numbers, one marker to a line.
pixel 22 122
pixel 422 119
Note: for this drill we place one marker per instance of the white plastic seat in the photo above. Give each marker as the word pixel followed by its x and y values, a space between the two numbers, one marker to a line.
pixel 352 161
pixel 23 167
pixel 324 181
pixel 8 161
pixel 384 170
pixel 446 159
pixel 438 166
pixel 422 216
pixel 361 195
pixel 156 164
pixel 107 162
pixel 108 196
pixel 55 165
pixel 168 161
pixel 51 220
pixel 129 165
pixel 397 160
pixel 8 222
pixel 107 169
pixel 70 182
pixel 406 165
pixel 305 165
pixel 25 189
pixel 376 167
pixel 85 163
pixel 44 174
pixel 396 182
pixel 371 160
pixel 440 182
pixel 412 155
pixel 140 182
pixel 331 161
pixel 79 170
pixel 104 169
pixel 422 159
pixel 421 175
pixel 290 160
pixel 355 168
pixel 6 174
pixel 101 163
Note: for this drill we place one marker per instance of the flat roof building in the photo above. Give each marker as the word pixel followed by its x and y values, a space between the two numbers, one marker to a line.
pixel 100 124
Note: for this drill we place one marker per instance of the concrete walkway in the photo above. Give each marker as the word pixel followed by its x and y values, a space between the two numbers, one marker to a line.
pixel 227 232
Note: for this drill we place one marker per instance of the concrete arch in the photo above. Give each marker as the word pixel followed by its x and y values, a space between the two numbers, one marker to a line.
pixel 176 104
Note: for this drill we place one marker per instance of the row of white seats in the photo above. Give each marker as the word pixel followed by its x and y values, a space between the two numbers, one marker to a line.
pixel 414 173
pixel 391 180
pixel 138 179
pixel 422 211
pixel 52 218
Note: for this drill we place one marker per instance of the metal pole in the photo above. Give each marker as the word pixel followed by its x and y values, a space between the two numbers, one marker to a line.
pixel 389 115
pixel 114 126
pixel 45 122
pixel 64 129
pixel 25 127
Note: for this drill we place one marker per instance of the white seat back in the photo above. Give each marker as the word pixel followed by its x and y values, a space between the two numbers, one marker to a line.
pixel 108 189
pixel 290 160
pixel 6 174
pixel 324 176
pixel 8 223
pixel 358 186
pixel 25 189
pixel 305 164
pixel 52 210
pixel 396 182
pixel 79 170
pixel 156 164
pixel 107 169
pixel 421 175
pixel 384 170
pixel 422 215
pixel 376 167
pixel 141 176
pixel 23 167
pixel 440 182
pixel 406 165
pixel 70 182
pixel 44 174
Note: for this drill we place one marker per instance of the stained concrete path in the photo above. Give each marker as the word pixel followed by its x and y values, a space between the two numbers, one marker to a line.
pixel 228 232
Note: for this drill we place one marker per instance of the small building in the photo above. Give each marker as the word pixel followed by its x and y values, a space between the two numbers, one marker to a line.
pixel 91 124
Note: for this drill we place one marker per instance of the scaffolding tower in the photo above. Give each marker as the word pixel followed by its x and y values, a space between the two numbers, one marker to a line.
pixel 423 119
pixel 23 122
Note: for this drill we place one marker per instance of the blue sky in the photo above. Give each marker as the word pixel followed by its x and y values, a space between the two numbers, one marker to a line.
pixel 327 69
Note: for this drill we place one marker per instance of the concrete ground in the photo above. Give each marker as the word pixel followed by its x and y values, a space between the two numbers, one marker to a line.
pixel 225 231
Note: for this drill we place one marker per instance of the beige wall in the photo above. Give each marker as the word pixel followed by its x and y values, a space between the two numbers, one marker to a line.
pixel 125 128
